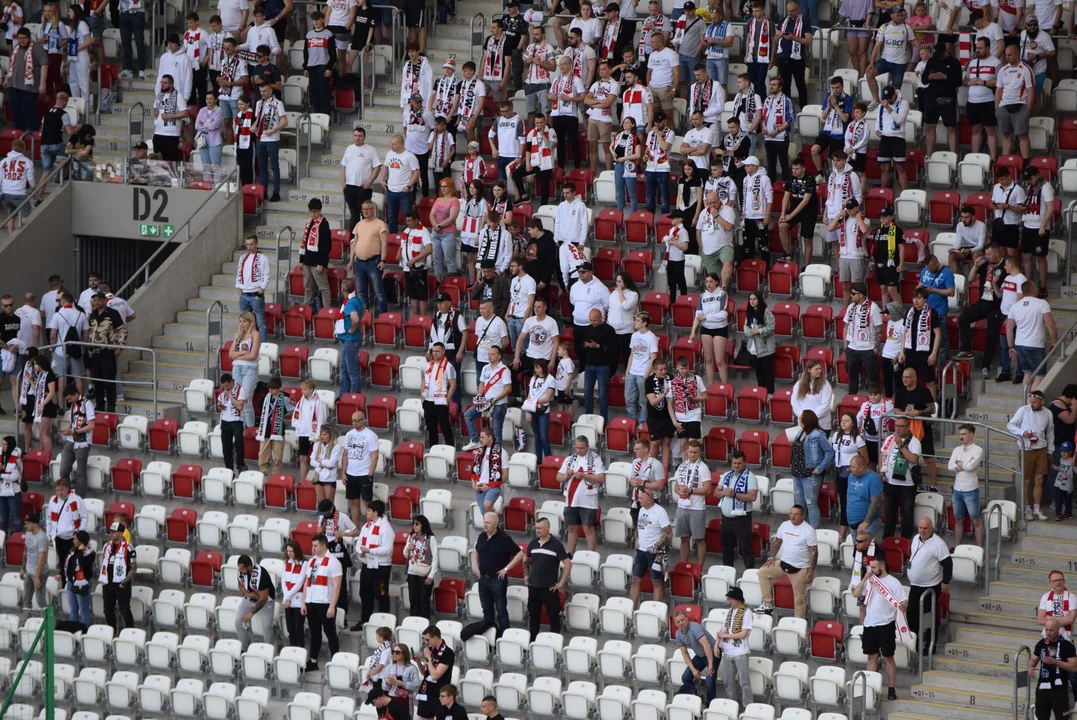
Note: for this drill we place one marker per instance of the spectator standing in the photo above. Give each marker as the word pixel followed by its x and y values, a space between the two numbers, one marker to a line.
pixel 547 566
pixel 759 339
pixel 692 485
pixel 981 78
pixel 1030 326
pixel 421 551
pixel 319 62
pixel 566 92
pixel 52 36
pixel 847 444
pixel 656 150
pixel 758 197
pixel 686 395
pixel 443 216
pixel 540 393
pixel 231 81
pixel 257 603
pixel 916 401
pixel 35 555
pixel 269 120
pixel 1015 94
pixel 358 171
pixel 314 257
pixel 864 497
pixel 244 355
pixel 704 657
pixel 899 459
pixel 1052 661
pixel 540 334
pixel 929 572
pixel 400 174
pixel 369 247
pixel 737 490
pixel 26 79
pixel 350 337
pixel 599 342
pixel 794 33
pixel 439 385
pixel 809 462
pixel 293 582
pixel 922 338
pixel 538 160
pixel 886 603
pixel 207 127
pixel 488 471
pixel 374 547
pixel 435 665
pixel 1035 425
pixel 586 294
pixel 230 401
pixel 852 228
pixel 660 424
pixel 813 392
pixel 863 330
pixel 943 74
pixel 491 331
pixel 11 490
pixel 252 281
pixel 642 352
pixel 582 473
pixel 653 534
pixel 69 327
pixel 244 122
pixel 1037 51
pixel 106 327
pixel 1036 220
pixel 965 464
pixel 493 556
pixel 990 271
pixel 418 126
pixel 733 643
pixel 800 207
pixel 717 39
pixel 1058 604
pixel 118 568
pixel 324 582
pixel 76 569
pixel 837 113
pixel 361 446
pixel 797 539
pixel 494 388
pixel 507 137
pixel 449 329
pixel 275 408
pixel 16 183
pixel 687 41
pixel 56 127
pixel 938 280
pixel 759 46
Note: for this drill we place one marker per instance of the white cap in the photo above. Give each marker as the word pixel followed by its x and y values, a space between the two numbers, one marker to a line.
pixel 751 160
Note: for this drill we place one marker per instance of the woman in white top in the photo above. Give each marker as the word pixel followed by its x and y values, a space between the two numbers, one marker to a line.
pixel 421 551
pixel 624 302
pixel 325 461
pixel 540 392
pixel 244 356
pixel 10 487
pixel 474 218
pixel 895 331
pixel 77 57
pixel 292 583
pixel 712 324
pixel 813 392
pixel 847 445
pixel 588 25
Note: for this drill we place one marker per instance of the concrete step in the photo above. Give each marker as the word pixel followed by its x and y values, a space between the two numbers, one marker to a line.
pixel 940 710
pixel 1014 591
pixel 144 394
pixel 1008 605
pixel 979 634
pixel 217 292
pixel 179 342
pixel 956 694
pixel 230 308
pixel 333 202
pixel 186 372
pixel 1000 400
pixel 169 356
pixel 970 668
pixel 1052 530
pixel 189 328
pixel 1040 560
pixel 940 679
pixel 991 655
pixel 1009 572
pixel 144 408
pixel 282 216
pixel 1023 618
pixel 171 384
pixel 991 415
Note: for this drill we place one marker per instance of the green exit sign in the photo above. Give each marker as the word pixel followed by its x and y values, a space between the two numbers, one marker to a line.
pixel 149 230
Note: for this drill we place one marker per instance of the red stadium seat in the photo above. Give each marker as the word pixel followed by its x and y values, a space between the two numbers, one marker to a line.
pixel 384 371
pixel 782 279
pixel 347 405
pixel 656 304
pixel 181 524
pixel 417 330
pixel 293 361
pixel 519 514
pixel 781 452
pixel 638 265
pixel 825 640
pixel 943 208
pixel 306 497
pixel 297 322
pixel 685 579
pixel 876 200
pixel 817 322
pixel 324 323
pixel 719 401
pixel 781 407
pixel 786 362
pixel 608 225
pixel 278 491
pixel 551 465
pixel 560 427
pixel 684 311
pixel 620 434
pixel 380 412
pixel 104 428
pixel 751 275
pixel 408 459
pixel 205 568
pixel 186 481
pixel 163 435
pixel 15 549
pixel 35 465
pixel 607 263
pixel 449 596
pixel 304 533
pixel 688 348
pixel 754 445
pixel 786 318
pixel 125 474
pixel 403 503
pixel 638 227
pixel 718 444
pixel 752 404
pixel 897 550
pixel 388 329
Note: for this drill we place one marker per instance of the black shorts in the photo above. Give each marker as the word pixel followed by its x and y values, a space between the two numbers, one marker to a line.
pixel 581 516
pixel 1009 237
pixel 892 150
pixel 880 640
pixel 859 163
pixel 936 110
pixel 917 360
pixel 50 411
pixel 305 446
pixel 691 430
pixel 413 14
pixel 359 487
pixel 28 409
pixel 466 248
pixel 830 144
pixel 415 281
pixel 873 451
pixel 714 332
pixel 659 425
pixel 927 442
pixel 982 114
pixel 806 219
pixel 886 276
pixel 279 29
pixel 1034 243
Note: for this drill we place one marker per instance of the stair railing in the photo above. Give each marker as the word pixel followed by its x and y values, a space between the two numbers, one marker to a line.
pixel 214 328
pixel 284 252
pixel 106 346
pixel 1060 348
pixel 949 368
pixel 478 34
pixel 858 703
pixel 927 620
pixel 135 128
pixel 1021 682
pixel 987 574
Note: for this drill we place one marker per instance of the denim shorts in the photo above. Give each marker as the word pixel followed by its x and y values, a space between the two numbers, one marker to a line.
pixel 49 153
pixel 1040 78
pixel 644 561
pixel 97 26
pixel 896 70
pixel 490 496
pixel 229 108
pixel 1031 358
pixel 967 501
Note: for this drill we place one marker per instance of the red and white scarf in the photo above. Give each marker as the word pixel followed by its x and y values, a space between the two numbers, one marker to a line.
pixel 413 73
pixel 654 149
pixel 469 96
pixel 861 560
pixel 194 37
pixel 435 379
pixel 474 169
pixel 904 634
pixel 538 143
pixel 588 468
pixel 244 121
pixel 492 456
pixel 413 245
pixel 853 238
pixel 701 95
pixel 445 92
pixel 758 41
pixel 774 107
pixel 314 575
pixel 1064 602
pixel 250 269
pixel 796 49
pixel 609 39
pixel 684 394
pixel 493 59
pixel 119 557
pixel 27 65
pixel 311 234
pixel 561 86
pixel 964 48
pixel 919 336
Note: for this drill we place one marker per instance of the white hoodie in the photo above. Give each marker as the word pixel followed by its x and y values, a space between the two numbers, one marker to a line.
pixel 17 172
pixel 178 65
pixel 571 222
pixel 841 186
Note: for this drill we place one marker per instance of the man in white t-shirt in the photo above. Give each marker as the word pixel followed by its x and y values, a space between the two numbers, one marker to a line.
pixel 899 458
pixel 879 587
pixel 325 578
pixel 1015 93
pixel 1036 221
pixel 521 299
pixel 69 323
pixel 663 73
pixel 582 473
pixel 358 171
pixel 1058 603
pixel 863 333
pixel 495 385
pixel 796 542
pixel 733 642
pixel 233 15
pixel 399 174
pixel 643 349
pixel 357 471
pixel 1028 326
pixel 653 535
pixel 965 463
pixel 691 485
pixel 169 116
pixel 891 53
pixel 600 100
pixel 490 331
pixel 540 334
pixel 970 239
pixel 929 572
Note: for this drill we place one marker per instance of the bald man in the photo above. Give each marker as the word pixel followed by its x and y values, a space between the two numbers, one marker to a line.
pixel 930 569
pixel 1055 658
pixel 494 555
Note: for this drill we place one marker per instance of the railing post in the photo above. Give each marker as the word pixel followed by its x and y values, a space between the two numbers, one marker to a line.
pixel 131 129
pixel 214 328
pixel 1021 682
pixel 858 703
pixel 283 253
pixel 991 512
pixel 477 34
pixel 927 620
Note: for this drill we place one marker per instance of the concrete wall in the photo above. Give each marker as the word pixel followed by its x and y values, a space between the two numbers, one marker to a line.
pixel 132 210
pixel 47 235
pixel 1061 373
pixel 188 268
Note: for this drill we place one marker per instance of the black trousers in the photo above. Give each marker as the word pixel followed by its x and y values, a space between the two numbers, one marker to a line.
pixel 232 444
pixel 419 594
pixel 764 372
pixel 972 314
pixel 855 360
pixel 319 623
pixel 895 496
pixel 777 154
pixel 168 147
pixel 737 535
pixel 889 376
pixel 913 613
pixel 440 175
pixel 568 140
pixel 198 86
pixel 675 278
pixel 63 549
pixel 245 161
pixel 355 196
pixel 294 620
pixel 374 588
pixel 424 172
pixel 537 599
pixel 577 343
pixel 116 594
pixel 318 90
pixel 437 419
pixel 103 369
pixel 754 240
pixel 790 70
pixel 542 182
pixel 1052 701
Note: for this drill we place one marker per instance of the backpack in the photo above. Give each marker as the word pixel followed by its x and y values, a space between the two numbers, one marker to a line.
pixel 74 352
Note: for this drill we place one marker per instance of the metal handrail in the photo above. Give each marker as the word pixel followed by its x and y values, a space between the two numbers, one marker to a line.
pixel 304 118
pixel 287 256
pixel 17 215
pixel 210 333
pixel 226 183
pixel 476 41
pixel 851 696
pixel 109 346
pixel 1060 346
pixel 1021 680
pixel 32 143
pixel 927 620
pixel 131 125
pixel 950 366
pixel 990 513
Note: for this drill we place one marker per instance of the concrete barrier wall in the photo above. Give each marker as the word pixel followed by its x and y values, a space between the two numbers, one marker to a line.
pixel 44 246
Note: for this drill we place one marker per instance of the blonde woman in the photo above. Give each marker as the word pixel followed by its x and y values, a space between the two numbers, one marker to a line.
pixel 308 418
pixel 814 393
pixel 325 463
pixel 244 355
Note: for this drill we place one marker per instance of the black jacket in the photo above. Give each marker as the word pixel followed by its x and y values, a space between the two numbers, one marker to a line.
pixel 540 257
pixel 325 244
pixel 945 64
pixel 606 337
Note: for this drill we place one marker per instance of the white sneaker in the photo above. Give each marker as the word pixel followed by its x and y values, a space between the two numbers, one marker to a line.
pixel 126 74
pixel 473 445
pixel 119 397
pixel 1028 513
pixel 141 74
pixel 873 106
pixel 1039 515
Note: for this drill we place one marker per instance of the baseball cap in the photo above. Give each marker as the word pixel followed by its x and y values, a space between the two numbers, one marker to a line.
pixel 860 288
pixel 487 264
pixel 117 527
pixel 1064 447
pixel 735 593
pixel 852 203
pixel 889 93
pixel 886 211
pixel 443 297
pixel 659 116
pixel 586 266
pixel 513 3
pixel 676 214
pixel 35 518
pixel 473 144
pixel 449 63
pixel 141 146
pixel 325 505
pixel 1031 171
pixel 751 160
pixel 689 5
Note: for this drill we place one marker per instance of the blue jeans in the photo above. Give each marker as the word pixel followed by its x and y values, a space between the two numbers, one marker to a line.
pixel 268 154
pixel 444 253
pixel 49 153
pixel 688 64
pixel 368 269
pixel 516 326
pixel 806 494
pixel 489 496
pixel 395 203
pixel 967 503
pixel 257 305
pixel 80 607
pixel 497 421
pixel 494 597
pixel 635 397
pixel 540 424
pixel 896 71
pixel 246 376
pixel 624 186
pixel 688 680
pixel 758 72
pixel 211 154
pixel 11 514
pixel 502 164
pixel 811 13
pixel 350 380
pixel 1030 359
pixel 718 69
pixel 657 181
pixel 601 374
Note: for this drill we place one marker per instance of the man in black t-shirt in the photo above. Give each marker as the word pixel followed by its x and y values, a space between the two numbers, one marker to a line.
pixel 435 666
pixel 542 572
pixel 55 130
pixel 516 32
pixel 450 709
pixel 366 20
pixel 990 270
pixel 799 207
pixel 1056 658
pixel 258 591
pixel 914 400
pixel 886 254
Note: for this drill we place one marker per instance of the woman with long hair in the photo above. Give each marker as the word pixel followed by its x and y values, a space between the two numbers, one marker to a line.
pixel 813 392
pixel 626 150
pixel 293 586
pixel 712 324
pixel 501 202
pixel 689 188
pixel 10 487
pixel 208 125
pixel 443 216
pixel 589 26
pixel 624 302
pixel 53 36
pixel 399 681
pixel 759 339
pixel 421 552
pixel 325 461
pixel 77 58
pixel 811 456
pixel 244 355
pixel 540 392
pixel 847 443
pixel 47 394
pixel 475 210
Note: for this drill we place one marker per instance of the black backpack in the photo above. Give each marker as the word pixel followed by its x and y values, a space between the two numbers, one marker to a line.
pixel 74 352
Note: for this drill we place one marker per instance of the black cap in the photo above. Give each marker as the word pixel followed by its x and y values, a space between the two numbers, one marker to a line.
pixel 513 3
pixel 586 266
pixel 676 214
pixel 487 264
pixel 852 203
pixel 34 518
pixel 117 527
pixel 889 93
pixel 886 211
pixel 1031 171
pixel 141 146
pixel 443 297
pixel 689 5
pixel 659 116
pixel 735 593
pixel 860 288
pixel 325 505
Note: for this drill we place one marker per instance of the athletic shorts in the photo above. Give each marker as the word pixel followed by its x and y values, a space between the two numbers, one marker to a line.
pixel 859 163
pixel 690 523
pixel 1013 123
pixel 692 430
pixel 581 516
pixel 806 219
pixel 415 281
pixel 935 110
pixel 1009 237
pixel 359 487
pixel 305 446
pixel 886 276
pixel 413 14
pixel 342 36
pixel 892 150
pixel 715 332
pixel 852 270
pixel 880 640
pixel 982 114
pixel 1034 243
pixel 830 144
pixel 659 425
